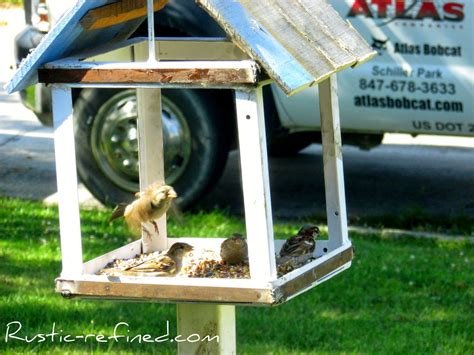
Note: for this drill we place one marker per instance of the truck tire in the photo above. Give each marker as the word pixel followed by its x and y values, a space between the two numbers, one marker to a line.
pixel 195 138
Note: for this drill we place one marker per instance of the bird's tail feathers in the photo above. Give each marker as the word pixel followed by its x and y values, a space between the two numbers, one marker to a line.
pixel 118 211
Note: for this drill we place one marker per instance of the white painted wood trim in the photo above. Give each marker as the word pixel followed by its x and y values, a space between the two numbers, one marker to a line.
pixel 68 63
pixel 66 174
pixel 151 31
pixel 196 49
pixel 320 281
pixel 178 281
pixel 151 159
pixel 255 184
pixel 167 48
pixel 111 51
pixel 301 270
pixel 126 252
pixel 207 320
pixel 333 167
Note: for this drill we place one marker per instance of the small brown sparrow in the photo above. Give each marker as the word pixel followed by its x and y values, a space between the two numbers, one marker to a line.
pixel 299 248
pixel 301 243
pixel 150 204
pixel 166 264
pixel 234 250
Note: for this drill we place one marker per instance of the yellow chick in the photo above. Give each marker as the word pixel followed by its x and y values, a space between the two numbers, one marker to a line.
pixel 150 204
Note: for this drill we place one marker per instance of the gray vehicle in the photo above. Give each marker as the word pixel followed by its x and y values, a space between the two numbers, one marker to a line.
pixel 422 82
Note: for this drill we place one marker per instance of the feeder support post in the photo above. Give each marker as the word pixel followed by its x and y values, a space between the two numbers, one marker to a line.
pixel 66 175
pixel 215 326
pixel 256 183
pixel 151 31
pixel 332 160
pixel 151 159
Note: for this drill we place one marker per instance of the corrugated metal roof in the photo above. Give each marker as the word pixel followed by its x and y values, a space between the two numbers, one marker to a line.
pixel 299 43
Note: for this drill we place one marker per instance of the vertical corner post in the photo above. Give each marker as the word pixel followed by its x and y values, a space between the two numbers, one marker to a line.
pixel 151 31
pixel 151 159
pixel 255 183
pixel 66 175
pixel 215 326
pixel 333 167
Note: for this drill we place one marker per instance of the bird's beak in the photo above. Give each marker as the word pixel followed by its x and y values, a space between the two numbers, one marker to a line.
pixel 172 194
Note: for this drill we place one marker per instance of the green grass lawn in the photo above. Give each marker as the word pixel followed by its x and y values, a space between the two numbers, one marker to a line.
pixel 404 296
pixel 11 2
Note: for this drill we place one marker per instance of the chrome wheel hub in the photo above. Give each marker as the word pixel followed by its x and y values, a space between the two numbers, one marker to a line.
pixel 114 140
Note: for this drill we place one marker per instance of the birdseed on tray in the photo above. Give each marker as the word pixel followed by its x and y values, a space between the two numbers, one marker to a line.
pixel 195 264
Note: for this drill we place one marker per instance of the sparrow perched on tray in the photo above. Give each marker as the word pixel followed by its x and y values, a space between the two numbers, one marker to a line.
pixel 234 250
pixel 300 247
pixel 150 204
pixel 166 264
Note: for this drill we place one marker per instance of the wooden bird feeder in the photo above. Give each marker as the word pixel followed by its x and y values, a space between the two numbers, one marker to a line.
pixel 296 44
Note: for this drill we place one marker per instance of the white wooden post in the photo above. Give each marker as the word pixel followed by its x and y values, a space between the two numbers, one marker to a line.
pixel 150 140
pixel 66 175
pixel 151 31
pixel 332 158
pixel 151 159
pixel 255 183
pixel 217 323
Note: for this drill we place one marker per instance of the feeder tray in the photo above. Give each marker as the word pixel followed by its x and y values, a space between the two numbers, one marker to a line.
pixel 207 290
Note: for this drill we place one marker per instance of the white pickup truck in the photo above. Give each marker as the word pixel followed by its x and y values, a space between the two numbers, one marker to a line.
pixel 422 82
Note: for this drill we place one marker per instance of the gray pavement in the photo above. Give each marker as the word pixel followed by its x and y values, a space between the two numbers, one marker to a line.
pixel 388 180
pixel 26 148
pixel 398 176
